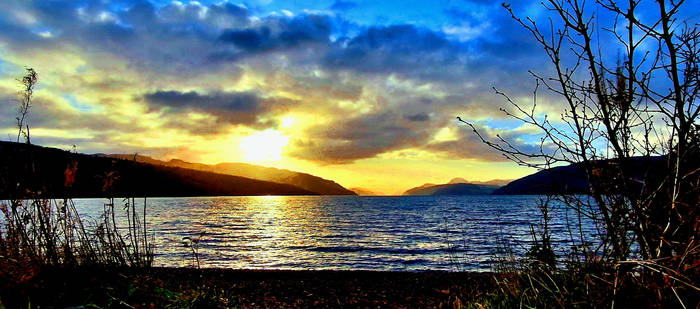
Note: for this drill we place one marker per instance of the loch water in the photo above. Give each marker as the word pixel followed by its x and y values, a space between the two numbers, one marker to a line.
pixel 411 233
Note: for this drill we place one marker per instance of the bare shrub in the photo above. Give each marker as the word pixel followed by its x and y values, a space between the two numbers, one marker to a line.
pixel 632 125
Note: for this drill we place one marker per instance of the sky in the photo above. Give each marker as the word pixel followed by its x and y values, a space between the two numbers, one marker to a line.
pixel 362 92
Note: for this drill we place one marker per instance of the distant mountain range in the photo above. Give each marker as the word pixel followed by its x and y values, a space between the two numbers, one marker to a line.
pixel 457 186
pixel 493 182
pixel 570 179
pixel 302 180
pixel 363 191
pixel 35 171
pixel 29 170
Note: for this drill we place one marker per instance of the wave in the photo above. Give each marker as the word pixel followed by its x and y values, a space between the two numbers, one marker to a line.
pixel 378 250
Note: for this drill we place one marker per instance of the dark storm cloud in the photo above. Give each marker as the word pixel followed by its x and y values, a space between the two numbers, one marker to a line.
pixel 359 138
pixel 225 108
pixel 192 39
pixel 395 49
pixel 249 39
pixel 276 34
pixel 370 135
pixel 408 50
pixel 236 101
pixel 418 117
pixel 172 39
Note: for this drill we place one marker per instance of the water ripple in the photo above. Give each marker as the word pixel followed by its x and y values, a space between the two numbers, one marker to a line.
pixel 374 233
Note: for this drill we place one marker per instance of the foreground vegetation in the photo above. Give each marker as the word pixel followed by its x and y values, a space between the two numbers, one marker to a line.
pixel 591 284
pixel 642 103
pixel 220 288
pixel 124 287
pixel 40 228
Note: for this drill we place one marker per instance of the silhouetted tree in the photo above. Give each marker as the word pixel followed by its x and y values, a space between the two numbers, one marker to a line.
pixel 646 106
pixel 28 82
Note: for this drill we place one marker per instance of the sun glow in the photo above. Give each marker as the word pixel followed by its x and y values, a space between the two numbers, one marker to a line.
pixel 263 146
pixel 287 121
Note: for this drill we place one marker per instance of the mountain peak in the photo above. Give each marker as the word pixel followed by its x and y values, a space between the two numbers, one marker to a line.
pixel 136 177
pixel 458 186
pixel 458 180
pixel 302 180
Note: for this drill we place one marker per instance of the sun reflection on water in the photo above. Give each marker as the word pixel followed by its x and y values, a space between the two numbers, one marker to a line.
pixel 316 232
pixel 270 225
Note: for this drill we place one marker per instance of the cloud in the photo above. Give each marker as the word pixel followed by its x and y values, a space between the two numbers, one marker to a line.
pixel 224 109
pixel 402 49
pixel 381 88
pixel 193 39
pixel 53 121
pixel 418 117
pixel 236 102
pixel 372 135
pixel 357 138
pixel 172 39
pixel 275 33
pixel 468 145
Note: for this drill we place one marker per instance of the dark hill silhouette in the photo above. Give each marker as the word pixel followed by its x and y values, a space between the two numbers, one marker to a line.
pixel 562 179
pixel 452 189
pixel 302 180
pixel 46 172
pixel 571 179
pixel 493 182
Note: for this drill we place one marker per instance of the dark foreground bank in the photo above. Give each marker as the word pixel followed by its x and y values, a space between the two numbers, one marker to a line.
pixel 220 288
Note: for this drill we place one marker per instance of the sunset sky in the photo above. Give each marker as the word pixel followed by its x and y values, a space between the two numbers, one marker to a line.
pixel 362 92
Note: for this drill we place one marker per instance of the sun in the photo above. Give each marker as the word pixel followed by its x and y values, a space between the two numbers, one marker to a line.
pixel 263 146
pixel 287 121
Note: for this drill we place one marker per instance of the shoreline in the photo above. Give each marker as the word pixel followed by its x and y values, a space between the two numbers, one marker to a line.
pixel 221 288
